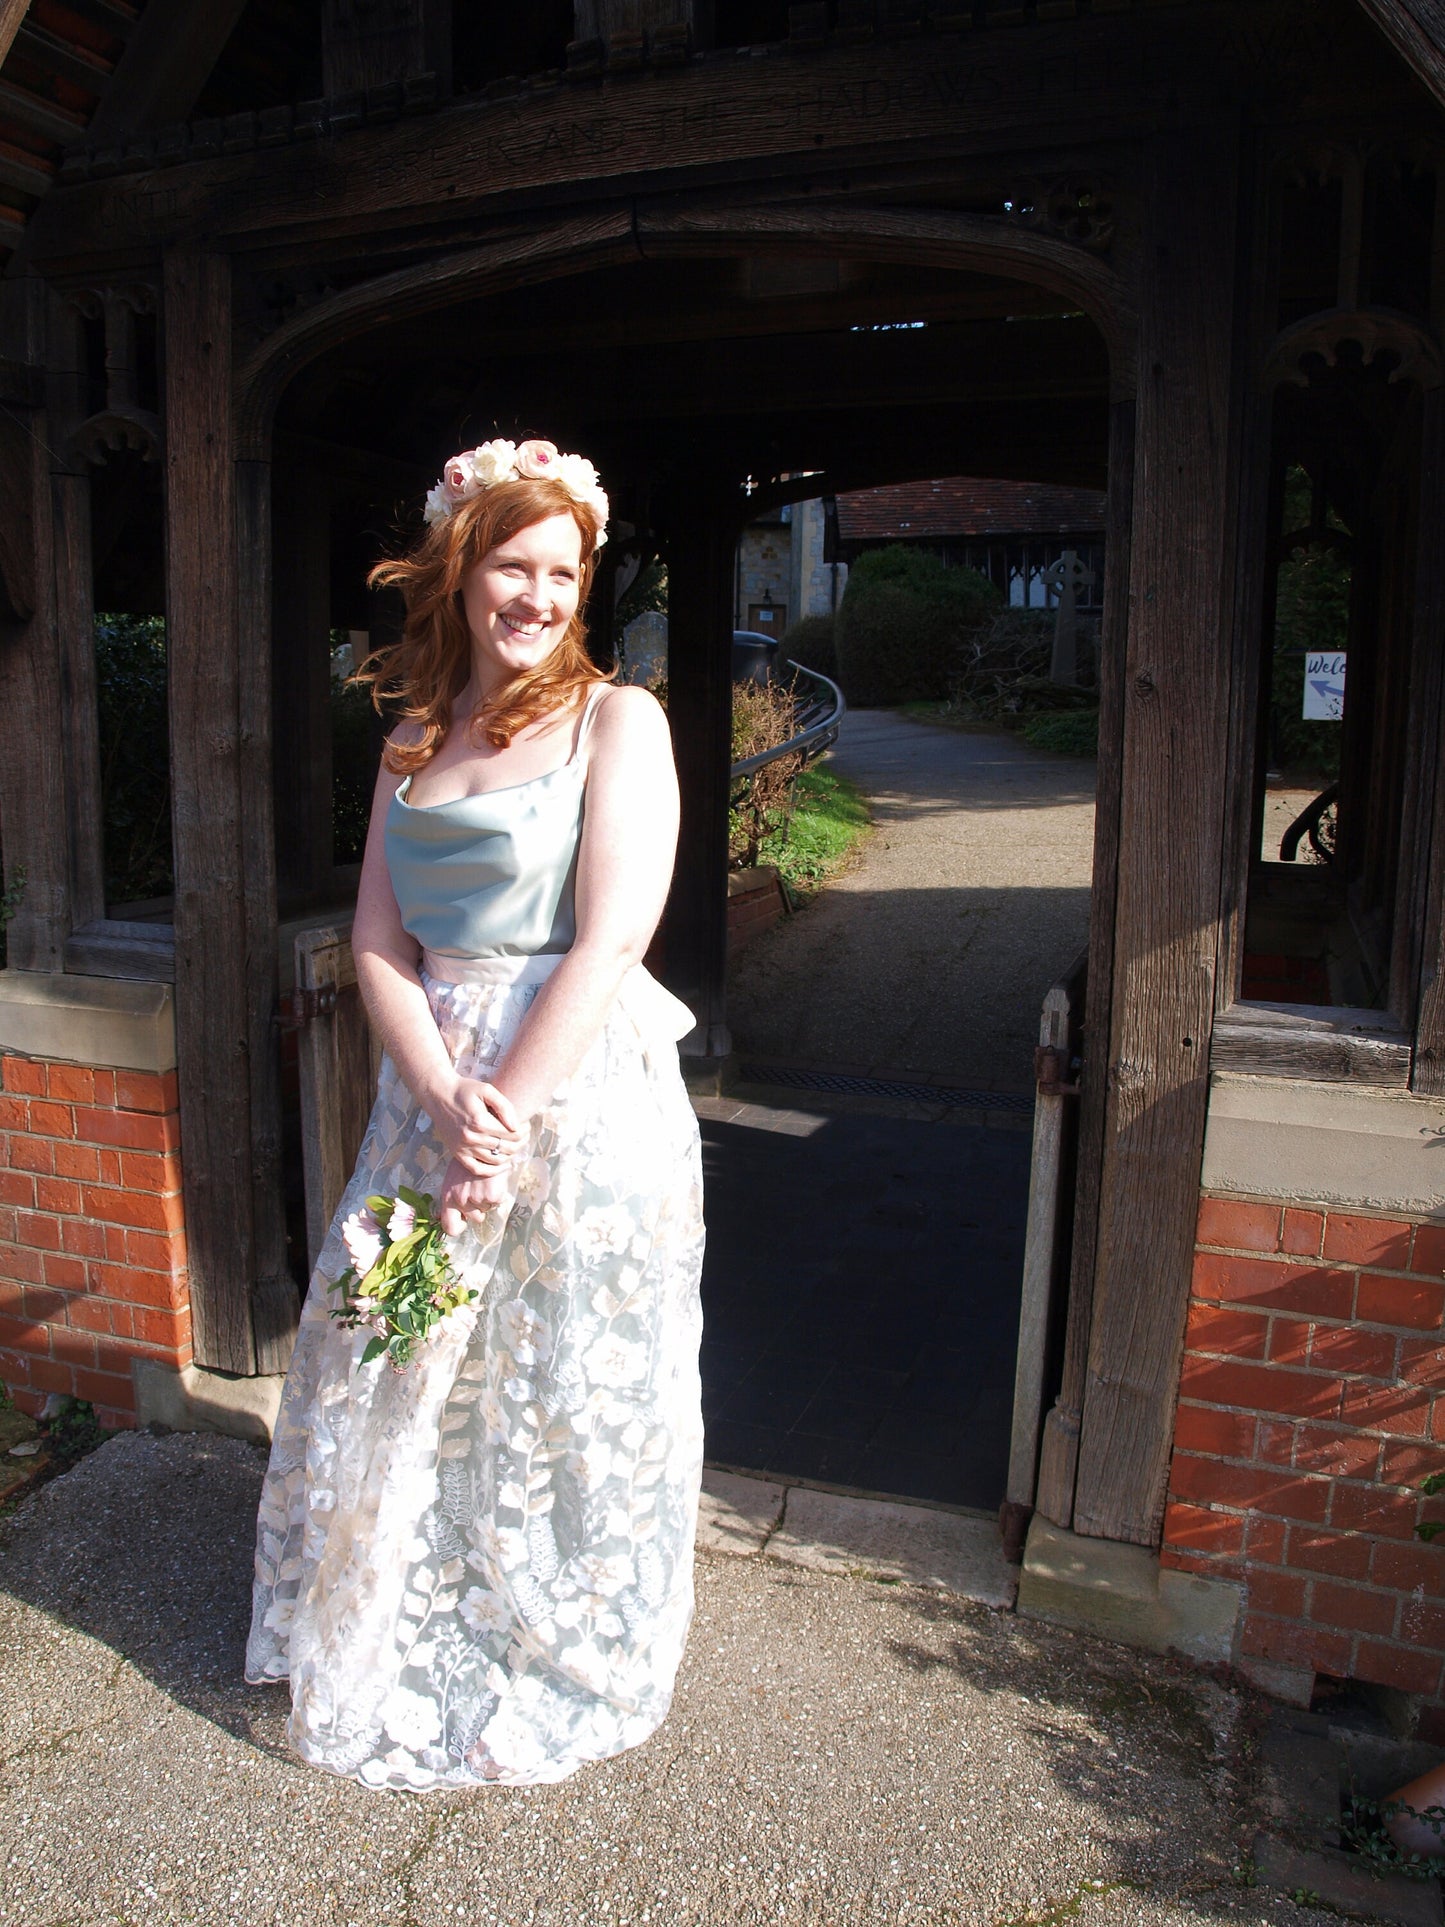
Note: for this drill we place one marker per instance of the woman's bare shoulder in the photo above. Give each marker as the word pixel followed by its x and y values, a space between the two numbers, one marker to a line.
pixel 625 709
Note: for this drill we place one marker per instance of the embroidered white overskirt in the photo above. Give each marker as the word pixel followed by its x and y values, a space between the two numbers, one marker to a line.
pixel 480 1568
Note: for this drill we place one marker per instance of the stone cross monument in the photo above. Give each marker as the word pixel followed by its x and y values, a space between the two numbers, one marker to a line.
pixel 1064 579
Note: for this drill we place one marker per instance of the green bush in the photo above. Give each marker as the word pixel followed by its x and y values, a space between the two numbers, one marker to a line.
pixel 135 773
pixel 1067 732
pixel 903 623
pixel 355 747
pixel 810 642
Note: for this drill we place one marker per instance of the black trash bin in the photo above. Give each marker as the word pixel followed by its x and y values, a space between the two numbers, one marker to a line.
pixel 755 657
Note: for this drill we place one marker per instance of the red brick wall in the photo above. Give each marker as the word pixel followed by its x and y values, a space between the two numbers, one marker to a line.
pixel 753 909
pixel 1312 1403
pixel 92 1240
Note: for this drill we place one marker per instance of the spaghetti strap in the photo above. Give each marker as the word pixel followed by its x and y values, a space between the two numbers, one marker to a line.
pixel 589 711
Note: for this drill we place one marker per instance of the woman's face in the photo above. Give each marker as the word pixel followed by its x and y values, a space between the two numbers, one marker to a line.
pixel 520 597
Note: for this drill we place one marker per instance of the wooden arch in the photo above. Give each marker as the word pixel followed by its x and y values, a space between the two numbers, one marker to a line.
pixel 948 240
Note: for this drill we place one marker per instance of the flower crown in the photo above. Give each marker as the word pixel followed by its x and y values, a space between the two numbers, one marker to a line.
pixel 475 469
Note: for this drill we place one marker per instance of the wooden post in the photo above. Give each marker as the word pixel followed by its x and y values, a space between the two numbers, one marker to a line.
pixel 1059 1446
pixel 275 1306
pixel 1422 883
pixel 699 699
pixel 224 862
pixel 75 622
pixel 34 809
pixel 1175 717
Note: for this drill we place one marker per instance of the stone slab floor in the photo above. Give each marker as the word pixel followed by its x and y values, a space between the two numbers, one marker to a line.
pixel 841 1750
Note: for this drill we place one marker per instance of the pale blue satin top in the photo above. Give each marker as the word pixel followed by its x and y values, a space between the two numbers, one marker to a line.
pixel 491 875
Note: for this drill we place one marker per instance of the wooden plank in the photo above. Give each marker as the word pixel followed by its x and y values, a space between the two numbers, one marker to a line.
pixel 44 48
pixel 1416 30
pixel 213 1019
pixel 1046 1265
pixel 1058 84
pixel 80 728
pixel 275 1307
pixel 340 1061
pixel 115 947
pixel 33 810
pixel 1176 717
pixel 1059 1446
pixel 699 550
pixel 12 18
pixel 168 59
pixel 1329 1045
pixel 1257 564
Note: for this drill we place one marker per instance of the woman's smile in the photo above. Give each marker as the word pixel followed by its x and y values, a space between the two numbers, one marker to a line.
pixel 520 598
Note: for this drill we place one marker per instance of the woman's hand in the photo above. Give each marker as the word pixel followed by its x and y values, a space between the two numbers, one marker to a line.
pixel 476 1122
pixel 467 1199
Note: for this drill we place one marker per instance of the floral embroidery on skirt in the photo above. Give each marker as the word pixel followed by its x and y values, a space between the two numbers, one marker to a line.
pixel 480 1568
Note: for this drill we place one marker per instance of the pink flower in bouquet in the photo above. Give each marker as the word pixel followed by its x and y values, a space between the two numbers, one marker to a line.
pixel 362 1236
pixel 402 1221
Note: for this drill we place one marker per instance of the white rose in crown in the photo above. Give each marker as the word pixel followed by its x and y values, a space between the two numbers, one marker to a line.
pixel 494 462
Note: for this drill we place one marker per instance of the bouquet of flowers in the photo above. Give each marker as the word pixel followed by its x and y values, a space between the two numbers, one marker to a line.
pixel 401 1279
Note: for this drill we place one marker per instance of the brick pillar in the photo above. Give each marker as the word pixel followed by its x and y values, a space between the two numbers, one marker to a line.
pixel 92 1238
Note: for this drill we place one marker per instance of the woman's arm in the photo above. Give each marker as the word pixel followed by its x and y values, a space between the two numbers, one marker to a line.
pixel 624 870
pixel 474 1121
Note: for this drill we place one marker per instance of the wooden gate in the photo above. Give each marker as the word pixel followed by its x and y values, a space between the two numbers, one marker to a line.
pixel 1048 1241
pixel 339 1062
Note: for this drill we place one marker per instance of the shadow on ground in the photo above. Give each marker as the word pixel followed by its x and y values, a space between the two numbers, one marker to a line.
pixel 839 1751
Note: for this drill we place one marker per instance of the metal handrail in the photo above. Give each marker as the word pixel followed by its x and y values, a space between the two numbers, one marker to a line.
pixel 1307 823
pixel 821 715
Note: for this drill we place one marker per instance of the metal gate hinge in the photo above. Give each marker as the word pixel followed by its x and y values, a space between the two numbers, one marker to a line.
pixel 303 1007
pixel 1052 1065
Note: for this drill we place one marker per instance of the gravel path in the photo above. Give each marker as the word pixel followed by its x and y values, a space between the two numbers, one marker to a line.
pixel 840 1751
pixel 931 955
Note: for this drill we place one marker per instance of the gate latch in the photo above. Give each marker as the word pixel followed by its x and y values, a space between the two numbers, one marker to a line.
pixel 1052 1065
pixel 303 1007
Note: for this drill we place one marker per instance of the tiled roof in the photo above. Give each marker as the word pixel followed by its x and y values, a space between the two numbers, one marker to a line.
pixel 958 505
pixel 54 73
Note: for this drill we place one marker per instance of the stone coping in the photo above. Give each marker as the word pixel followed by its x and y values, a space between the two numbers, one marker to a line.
pixel 110 1023
pixel 1331 1144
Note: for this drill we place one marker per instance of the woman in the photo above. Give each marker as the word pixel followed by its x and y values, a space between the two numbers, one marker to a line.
pixel 480 1568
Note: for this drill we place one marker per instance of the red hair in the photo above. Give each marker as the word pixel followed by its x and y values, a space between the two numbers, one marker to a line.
pixel 425 672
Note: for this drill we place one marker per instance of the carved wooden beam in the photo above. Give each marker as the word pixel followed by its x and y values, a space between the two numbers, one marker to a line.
pixel 1055 88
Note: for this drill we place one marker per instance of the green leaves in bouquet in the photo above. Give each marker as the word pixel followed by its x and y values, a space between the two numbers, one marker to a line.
pixel 413 1282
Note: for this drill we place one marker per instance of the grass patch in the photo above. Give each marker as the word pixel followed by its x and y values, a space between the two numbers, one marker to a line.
pixel 1064 732
pixel 829 818
pixel 1060 732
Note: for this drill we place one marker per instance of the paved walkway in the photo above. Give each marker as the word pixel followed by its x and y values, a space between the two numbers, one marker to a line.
pixel 931 956
pixel 842 1750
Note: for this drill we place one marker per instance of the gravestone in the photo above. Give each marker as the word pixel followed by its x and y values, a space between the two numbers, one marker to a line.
pixel 1064 579
pixel 644 647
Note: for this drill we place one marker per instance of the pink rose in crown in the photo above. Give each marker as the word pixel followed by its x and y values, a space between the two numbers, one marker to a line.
pixel 536 460
pixel 457 476
pixel 362 1236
